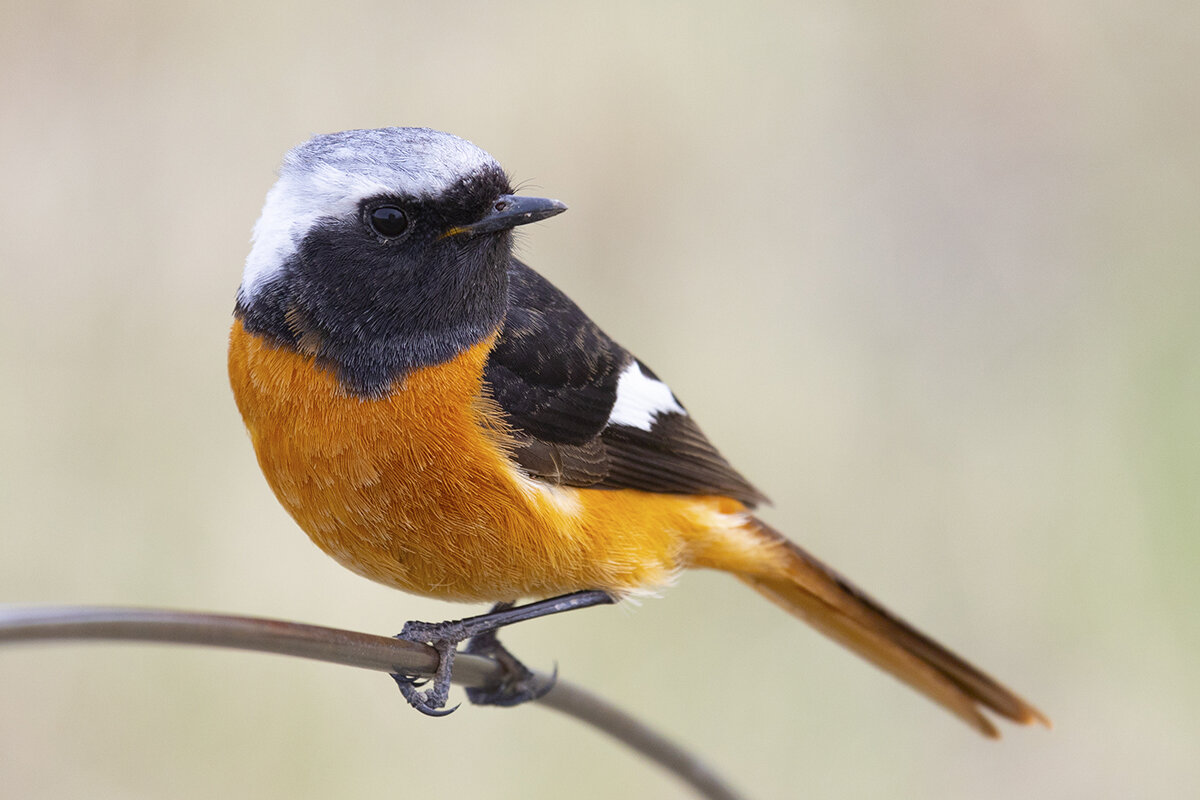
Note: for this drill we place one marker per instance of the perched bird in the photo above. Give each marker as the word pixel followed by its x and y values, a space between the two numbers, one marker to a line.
pixel 439 418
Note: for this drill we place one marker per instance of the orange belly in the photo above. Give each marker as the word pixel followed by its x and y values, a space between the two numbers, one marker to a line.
pixel 415 489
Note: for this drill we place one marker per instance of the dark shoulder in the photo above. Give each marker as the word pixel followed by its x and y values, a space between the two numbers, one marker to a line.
pixel 585 412
pixel 553 370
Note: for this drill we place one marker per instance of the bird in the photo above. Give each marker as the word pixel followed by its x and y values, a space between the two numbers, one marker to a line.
pixel 440 418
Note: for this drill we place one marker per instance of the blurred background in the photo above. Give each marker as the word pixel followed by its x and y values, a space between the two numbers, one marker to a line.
pixel 926 273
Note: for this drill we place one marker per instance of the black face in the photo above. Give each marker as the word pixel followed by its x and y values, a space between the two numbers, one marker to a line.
pixel 392 288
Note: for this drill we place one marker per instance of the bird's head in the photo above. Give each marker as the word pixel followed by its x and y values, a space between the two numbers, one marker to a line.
pixel 382 251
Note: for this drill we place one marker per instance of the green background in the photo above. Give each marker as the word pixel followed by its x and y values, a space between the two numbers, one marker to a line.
pixel 926 272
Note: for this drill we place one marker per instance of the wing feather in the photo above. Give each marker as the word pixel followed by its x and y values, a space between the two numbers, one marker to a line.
pixel 558 379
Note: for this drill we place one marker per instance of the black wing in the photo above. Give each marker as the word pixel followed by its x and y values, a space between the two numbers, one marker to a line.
pixel 557 377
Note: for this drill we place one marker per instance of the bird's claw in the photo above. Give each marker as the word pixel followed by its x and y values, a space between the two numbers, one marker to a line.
pixel 444 640
pixel 421 701
pixel 517 684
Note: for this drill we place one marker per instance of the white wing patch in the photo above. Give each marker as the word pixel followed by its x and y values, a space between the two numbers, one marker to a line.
pixel 641 399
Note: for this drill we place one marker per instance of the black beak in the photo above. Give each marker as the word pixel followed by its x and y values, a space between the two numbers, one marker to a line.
pixel 509 211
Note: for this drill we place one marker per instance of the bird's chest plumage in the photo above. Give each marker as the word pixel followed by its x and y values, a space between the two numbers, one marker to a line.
pixel 413 489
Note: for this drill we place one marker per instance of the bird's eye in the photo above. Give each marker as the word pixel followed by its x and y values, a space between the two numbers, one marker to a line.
pixel 387 221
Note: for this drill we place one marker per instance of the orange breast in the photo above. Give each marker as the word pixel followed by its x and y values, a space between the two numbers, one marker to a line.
pixel 415 489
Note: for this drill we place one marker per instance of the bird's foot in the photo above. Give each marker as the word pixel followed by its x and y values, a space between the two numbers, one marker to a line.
pixel 517 684
pixel 444 638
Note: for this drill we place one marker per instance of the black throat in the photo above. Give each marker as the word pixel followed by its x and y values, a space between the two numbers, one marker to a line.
pixel 370 315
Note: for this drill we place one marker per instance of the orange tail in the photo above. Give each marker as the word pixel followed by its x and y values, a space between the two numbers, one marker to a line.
pixel 818 595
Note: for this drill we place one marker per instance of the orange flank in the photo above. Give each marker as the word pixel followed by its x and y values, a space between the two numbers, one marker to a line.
pixel 415 490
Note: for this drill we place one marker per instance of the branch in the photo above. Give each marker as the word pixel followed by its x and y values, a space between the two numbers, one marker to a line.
pixel 351 649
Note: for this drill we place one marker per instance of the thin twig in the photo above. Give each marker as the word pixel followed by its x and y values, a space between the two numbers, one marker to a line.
pixel 384 654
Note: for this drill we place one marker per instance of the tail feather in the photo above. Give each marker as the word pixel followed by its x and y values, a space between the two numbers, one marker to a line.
pixel 815 593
